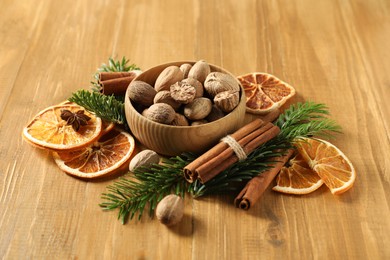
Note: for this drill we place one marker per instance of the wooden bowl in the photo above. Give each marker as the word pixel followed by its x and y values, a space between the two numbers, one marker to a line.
pixel 174 140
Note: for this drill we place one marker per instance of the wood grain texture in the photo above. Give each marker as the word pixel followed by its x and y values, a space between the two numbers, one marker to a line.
pixel 334 52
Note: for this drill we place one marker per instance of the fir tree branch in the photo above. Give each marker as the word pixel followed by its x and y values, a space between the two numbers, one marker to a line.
pixel 150 185
pixel 305 120
pixel 105 107
pixel 146 188
pixel 119 65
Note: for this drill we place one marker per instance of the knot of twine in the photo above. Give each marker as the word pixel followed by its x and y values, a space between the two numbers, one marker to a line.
pixel 240 153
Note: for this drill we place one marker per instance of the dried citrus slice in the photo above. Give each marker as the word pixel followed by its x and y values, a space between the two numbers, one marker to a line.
pixel 67 102
pixel 106 127
pixel 334 168
pixel 48 130
pixel 297 178
pixel 264 92
pixel 110 154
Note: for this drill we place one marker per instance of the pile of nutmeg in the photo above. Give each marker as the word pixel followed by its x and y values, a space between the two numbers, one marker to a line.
pixel 186 95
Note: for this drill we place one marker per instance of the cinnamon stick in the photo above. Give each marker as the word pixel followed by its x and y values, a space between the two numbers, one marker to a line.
pixel 221 156
pixel 207 172
pixel 189 170
pixel 103 76
pixel 271 116
pixel 116 82
pixel 214 162
pixel 116 86
pixel 257 185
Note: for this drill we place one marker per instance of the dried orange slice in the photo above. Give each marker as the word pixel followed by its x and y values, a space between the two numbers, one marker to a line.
pixel 333 167
pixel 110 154
pixel 264 92
pixel 48 130
pixel 67 102
pixel 297 178
pixel 106 127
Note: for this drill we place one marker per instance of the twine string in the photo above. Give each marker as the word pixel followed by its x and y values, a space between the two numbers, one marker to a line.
pixel 236 147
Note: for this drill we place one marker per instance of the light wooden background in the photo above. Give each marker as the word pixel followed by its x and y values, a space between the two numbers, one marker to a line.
pixel 334 52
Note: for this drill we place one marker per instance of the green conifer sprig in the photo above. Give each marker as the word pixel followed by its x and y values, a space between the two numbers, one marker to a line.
pixel 148 186
pixel 105 107
pixel 132 194
pixel 305 120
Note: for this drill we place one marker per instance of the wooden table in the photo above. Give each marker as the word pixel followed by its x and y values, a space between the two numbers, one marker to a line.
pixel 333 52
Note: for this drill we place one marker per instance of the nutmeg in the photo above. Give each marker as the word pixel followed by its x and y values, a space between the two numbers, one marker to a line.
pixel 170 210
pixel 141 93
pixel 196 84
pixel 180 120
pixel 143 159
pixel 161 113
pixel 199 122
pixel 185 68
pixel 198 109
pixel 199 71
pixel 182 93
pixel 215 114
pixel 164 96
pixel 167 77
pixel 217 82
pixel 227 100
pixel 145 112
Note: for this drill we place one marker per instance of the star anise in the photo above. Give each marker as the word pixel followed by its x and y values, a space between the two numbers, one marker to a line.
pixel 75 119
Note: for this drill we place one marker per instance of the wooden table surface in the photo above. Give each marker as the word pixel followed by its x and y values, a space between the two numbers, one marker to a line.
pixel 332 52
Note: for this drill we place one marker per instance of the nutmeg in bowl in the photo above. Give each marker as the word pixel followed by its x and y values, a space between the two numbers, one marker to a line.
pixel 170 139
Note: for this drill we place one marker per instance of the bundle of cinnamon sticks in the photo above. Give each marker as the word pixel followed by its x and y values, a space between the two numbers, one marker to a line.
pixel 116 82
pixel 223 155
